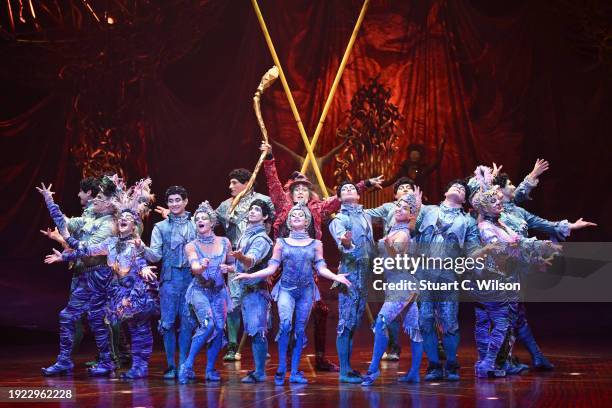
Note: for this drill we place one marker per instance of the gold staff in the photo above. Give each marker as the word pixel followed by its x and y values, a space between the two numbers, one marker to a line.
pixel 266 81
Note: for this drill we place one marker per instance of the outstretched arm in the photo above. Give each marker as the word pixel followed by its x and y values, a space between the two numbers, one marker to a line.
pixel 269 270
pixel 321 267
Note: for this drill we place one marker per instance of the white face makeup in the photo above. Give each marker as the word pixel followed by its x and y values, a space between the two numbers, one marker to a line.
pixel 402 190
pixel 126 223
pixel 176 204
pixel 456 193
pixel 236 187
pixel 255 215
pixel 101 204
pixel 495 205
pixel 203 223
pixel 300 194
pixel 297 219
pixel 402 211
pixel 348 193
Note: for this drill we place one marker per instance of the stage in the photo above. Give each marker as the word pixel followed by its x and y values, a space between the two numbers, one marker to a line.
pixel 581 378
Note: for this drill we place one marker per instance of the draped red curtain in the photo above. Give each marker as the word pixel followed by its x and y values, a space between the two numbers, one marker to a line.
pixel 501 82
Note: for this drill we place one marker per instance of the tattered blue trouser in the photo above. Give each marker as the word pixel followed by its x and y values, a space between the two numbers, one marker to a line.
pixel 88 296
pixel 255 312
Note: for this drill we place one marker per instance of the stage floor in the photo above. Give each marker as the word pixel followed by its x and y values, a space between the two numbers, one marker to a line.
pixel 582 378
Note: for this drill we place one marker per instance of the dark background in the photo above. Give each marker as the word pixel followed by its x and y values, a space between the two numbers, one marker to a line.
pixel 504 81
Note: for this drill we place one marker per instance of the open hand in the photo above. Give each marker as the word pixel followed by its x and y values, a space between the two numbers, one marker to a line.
pixel 56 256
pixel 580 223
pixel 163 211
pixel 148 274
pixel 241 276
pixel 540 167
pixel 341 278
pixel 46 191
pixel 376 182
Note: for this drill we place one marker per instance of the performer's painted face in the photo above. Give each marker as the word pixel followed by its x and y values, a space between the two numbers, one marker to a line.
pixel 84 197
pixel 298 220
pixel 508 190
pixel 402 190
pixel 203 223
pixel 236 187
pixel 415 155
pixel 300 194
pixel 456 193
pixel 255 215
pixel 126 223
pixel 348 193
pixel 177 204
pixel 494 203
pixel 101 204
pixel 402 211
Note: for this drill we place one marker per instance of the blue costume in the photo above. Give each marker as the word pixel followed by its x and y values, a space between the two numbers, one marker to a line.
pixel 88 292
pixel 168 245
pixel 386 213
pixel 234 226
pixel 396 302
pixel 294 292
pixel 356 263
pixel 255 301
pixel 497 310
pixel 442 232
pixel 207 300
pixel 521 221
pixel 131 298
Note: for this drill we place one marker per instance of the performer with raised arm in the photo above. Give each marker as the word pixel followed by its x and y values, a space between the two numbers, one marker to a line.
pixel 168 242
pixel 89 187
pixel 89 292
pixel 352 231
pixel 133 294
pixel 521 221
pixel 496 311
pixel 207 296
pixel 295 291
pixel 397 241
pixel 298 189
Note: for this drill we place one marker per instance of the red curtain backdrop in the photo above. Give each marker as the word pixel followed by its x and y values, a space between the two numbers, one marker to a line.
pixel 501 82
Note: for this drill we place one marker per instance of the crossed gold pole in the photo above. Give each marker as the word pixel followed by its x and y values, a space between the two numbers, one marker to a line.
pixel 310 147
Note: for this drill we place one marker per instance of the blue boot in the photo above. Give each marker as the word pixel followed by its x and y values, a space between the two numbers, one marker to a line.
pixel 347 375
pixel 370 377
pixel 186 374
pixel 540 362
pixel 105 368
pixel 298 378
pixel 59 368
pixel 413 375
pixel 450 341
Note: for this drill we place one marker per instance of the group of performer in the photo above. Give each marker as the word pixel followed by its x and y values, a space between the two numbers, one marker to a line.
pixel 208 284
